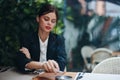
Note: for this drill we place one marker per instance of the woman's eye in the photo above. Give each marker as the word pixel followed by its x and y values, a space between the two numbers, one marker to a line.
pixel 53 21
pixel 46 19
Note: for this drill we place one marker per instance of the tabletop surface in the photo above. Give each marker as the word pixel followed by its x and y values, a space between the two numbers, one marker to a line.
pixel 11 74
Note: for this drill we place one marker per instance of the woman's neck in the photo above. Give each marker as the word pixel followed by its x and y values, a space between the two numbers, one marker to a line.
pixel 43 35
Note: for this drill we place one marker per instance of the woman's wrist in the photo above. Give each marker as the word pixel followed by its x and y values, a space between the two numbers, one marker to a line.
pixel 41 65
pixel 34 65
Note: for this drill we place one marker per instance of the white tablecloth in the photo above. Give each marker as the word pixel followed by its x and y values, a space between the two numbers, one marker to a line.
pixel 96 76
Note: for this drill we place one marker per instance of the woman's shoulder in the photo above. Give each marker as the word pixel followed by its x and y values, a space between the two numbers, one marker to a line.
pixel 57 37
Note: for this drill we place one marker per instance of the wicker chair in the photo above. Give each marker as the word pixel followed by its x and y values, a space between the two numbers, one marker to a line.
pixel 108 66
pixel 86 54
pixel 99 55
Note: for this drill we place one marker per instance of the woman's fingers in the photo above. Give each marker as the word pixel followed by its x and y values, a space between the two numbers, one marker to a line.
pixel 45 66
pixel 51 66
pixel 55 64
pixel 26 52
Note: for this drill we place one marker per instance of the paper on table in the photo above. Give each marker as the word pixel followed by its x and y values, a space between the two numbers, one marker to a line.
pixel 76 76
pixel 93 76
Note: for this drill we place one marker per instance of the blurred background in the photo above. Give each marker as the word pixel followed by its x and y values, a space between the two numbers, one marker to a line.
pixel 93 23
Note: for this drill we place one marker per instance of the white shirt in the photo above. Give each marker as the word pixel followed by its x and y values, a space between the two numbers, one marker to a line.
pixel 43 50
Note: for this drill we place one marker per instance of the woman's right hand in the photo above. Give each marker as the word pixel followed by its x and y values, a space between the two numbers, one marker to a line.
pixel 26 52
pixel 50 66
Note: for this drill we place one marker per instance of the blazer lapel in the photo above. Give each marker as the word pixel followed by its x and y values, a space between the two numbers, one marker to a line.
pixel 36 44
pixel 51 46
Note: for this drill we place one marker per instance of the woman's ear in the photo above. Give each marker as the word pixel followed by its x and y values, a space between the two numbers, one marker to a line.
pixel 37 18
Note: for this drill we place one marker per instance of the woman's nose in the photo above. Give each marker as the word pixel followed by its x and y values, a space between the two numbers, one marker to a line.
pixel 49 23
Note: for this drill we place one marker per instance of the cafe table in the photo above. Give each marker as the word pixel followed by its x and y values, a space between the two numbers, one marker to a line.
pixel 12 74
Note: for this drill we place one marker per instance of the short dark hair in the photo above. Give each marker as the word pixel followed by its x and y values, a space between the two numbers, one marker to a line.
pixel 47 8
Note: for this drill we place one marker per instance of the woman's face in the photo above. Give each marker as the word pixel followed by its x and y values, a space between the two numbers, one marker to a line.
pixel 47 21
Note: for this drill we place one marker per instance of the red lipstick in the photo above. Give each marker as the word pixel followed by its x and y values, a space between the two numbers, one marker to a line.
pixel 48 27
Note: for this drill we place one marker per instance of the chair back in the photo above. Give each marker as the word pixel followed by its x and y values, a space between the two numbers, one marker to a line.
pixel 99 55
pixel 86 54
pixel 108 66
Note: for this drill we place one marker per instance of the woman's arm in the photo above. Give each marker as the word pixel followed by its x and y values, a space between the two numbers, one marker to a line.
pixel 49 66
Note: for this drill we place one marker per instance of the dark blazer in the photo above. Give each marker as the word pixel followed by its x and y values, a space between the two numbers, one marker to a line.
pixel 55 50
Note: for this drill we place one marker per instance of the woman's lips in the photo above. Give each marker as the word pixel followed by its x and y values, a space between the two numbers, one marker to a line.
pixel 48 27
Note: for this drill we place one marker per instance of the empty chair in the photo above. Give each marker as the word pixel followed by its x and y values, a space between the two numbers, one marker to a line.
pixel 99 55
pixel 86 54
pixel 108 66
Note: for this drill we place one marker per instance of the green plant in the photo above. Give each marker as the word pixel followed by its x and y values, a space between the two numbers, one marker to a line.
pixel 17 18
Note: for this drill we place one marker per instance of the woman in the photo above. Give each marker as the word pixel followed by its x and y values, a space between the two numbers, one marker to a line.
pixel 43 49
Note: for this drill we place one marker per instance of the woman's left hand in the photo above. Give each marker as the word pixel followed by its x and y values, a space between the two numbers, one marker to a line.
pixel 26 52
